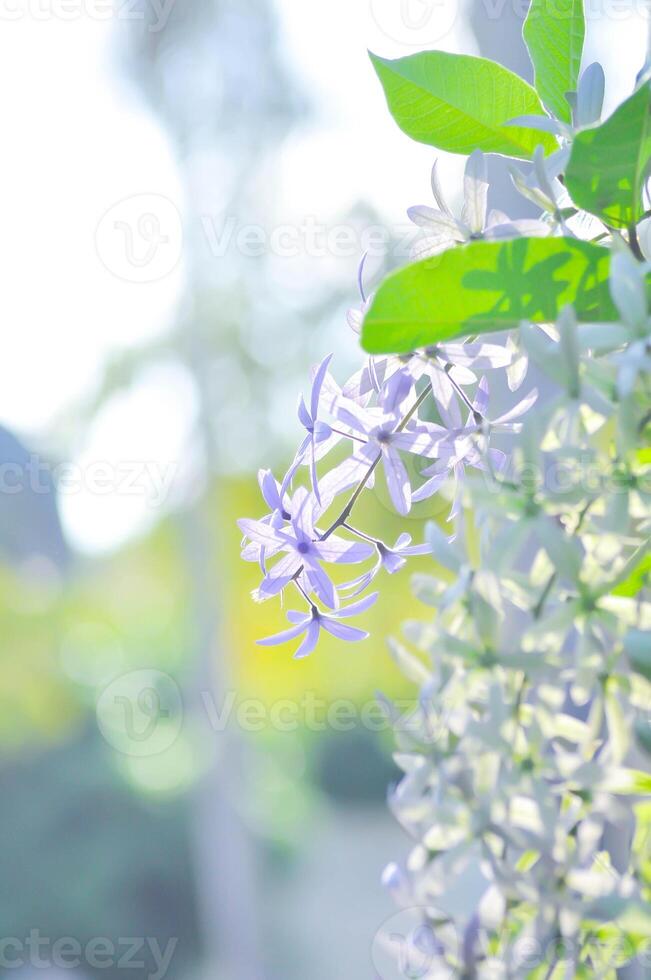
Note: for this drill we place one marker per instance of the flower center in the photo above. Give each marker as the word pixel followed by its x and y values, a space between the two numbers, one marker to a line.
pixel 303 547
pixel 383 437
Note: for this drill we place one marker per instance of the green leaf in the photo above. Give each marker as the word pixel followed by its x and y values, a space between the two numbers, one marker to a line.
pixel 638 579
pixel 554 32
pixel 487 286
pixel 610 163
pixel 461 103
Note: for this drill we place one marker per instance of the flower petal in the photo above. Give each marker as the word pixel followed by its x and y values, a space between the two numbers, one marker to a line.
pixel 519 409
pixel 355 608
pixel 285 635
pixel 397 480
pixel 340 551
pixel 321 583
pixel 475 185
pixel 436 221
pixel 261 533
pixel 310 641
pixel 343 632
pixel 317 383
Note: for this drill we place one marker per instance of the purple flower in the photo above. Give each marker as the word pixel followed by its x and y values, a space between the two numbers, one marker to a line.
pixel 303 548
pixel 279 504
pixel 383 435
pixel 313 622
pixel 464 449
pixel 443 230
pixel 393 559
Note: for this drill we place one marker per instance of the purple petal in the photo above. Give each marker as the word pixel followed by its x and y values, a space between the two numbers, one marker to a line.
pixel 519 409
pixel 392 561
pixel 355 608
pixel 354 416
pixel 425 440
pixel 261 533
pixel 342 478
pixel 397 480
pixel 322 431
pixel 314 476
pixel 303 512
pixel 446 398
pixel 359 585
pixel 310 641
pixel 343 632
pixel 294 616
pixel 432 486
pixel 341 551
pixel 321 583
pixel 304 416
pixel 480 404
pixel 480 356
pixel 416 549
pixel 290 634
pixel 298 459
pixel 395 391
pixel 270 489
pixel 317 384
pixel 360 276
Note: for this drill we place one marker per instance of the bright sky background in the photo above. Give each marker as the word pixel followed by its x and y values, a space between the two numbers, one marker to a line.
pixel 76 142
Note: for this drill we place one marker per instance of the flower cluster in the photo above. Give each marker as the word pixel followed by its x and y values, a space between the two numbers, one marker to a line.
pixel 519 762
pixel 523 786
pixel 433 405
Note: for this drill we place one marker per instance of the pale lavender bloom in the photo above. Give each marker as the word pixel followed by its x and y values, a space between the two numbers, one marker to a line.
pixel 464 450
pixel 304 549
pixel 383 439
pixel 395 558
pixel 391 558
pixel 279 504
pixel 320 437
pixel 313 622
pixel 443 230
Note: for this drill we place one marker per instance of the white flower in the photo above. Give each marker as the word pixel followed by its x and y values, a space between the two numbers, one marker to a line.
pixel 443 230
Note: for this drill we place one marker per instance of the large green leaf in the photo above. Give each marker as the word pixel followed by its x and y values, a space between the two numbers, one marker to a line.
pixel 460 103
pixel 609 163
pixel 487 286
pixel 554 32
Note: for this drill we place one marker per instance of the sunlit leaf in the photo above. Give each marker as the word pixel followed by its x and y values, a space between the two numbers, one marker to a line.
pixel 610 163
pixel 487 286
pixel 461 103
pixel 554 33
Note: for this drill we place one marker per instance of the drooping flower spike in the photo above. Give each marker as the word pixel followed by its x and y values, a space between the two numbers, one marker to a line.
pixel 431 404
